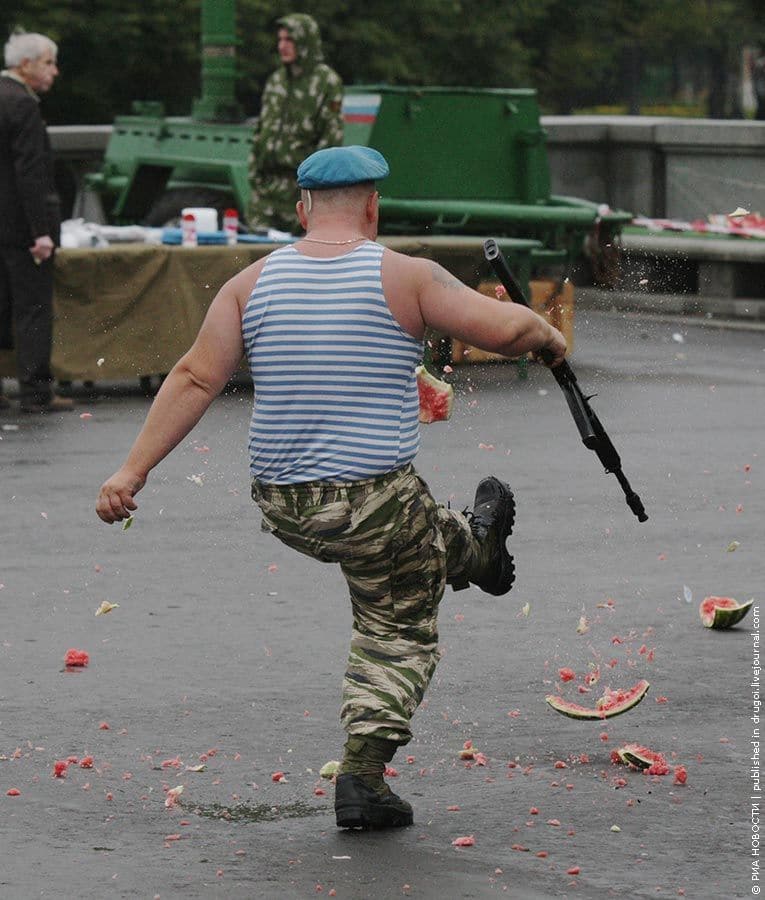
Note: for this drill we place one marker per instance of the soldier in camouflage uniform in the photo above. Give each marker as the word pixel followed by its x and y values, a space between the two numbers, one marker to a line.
pixel 331 456
pixel 301 111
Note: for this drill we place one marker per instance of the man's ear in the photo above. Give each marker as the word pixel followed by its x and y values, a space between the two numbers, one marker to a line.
pixel 301 214
pixel 373 207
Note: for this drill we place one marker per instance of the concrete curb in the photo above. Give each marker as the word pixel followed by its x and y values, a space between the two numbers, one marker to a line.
pixel 689 309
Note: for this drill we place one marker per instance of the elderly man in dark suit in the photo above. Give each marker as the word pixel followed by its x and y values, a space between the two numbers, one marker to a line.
pixel 29 219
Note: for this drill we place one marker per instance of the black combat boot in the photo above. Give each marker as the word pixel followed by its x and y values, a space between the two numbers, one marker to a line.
pixel 492 523
pixel 362 798
pixel 358 805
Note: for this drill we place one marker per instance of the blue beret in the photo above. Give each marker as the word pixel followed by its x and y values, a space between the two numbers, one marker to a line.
pixel 341 166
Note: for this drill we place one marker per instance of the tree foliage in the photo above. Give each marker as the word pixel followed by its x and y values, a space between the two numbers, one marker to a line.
pixel 585 54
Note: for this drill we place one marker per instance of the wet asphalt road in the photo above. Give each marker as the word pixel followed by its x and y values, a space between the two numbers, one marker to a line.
pixel 228 649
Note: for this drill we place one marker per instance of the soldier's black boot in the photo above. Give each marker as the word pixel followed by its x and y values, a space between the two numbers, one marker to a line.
pixel 362 798
pixel 358 805
pixel 492 523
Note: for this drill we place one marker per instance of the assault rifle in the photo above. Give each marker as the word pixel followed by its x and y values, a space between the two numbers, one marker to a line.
pixel 593 435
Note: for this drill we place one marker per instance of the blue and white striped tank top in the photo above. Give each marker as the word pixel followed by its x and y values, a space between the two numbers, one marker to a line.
pixel 335 390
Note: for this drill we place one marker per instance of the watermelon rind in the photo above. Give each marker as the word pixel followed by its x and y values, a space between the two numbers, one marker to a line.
pixel 639 757
pixel 725 615
pixel 575 711
pixel 329 769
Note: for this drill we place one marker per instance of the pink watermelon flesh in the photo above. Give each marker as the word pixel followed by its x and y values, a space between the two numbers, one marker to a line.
pixel 611 704
pixel 722 612
pixel 436 397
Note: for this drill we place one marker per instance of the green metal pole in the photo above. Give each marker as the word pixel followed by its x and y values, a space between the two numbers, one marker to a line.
pixel 218 33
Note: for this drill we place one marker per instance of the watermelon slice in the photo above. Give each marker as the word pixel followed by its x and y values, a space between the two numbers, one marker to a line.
pixel 722 612
pixel 643 758
pixel 611 704
pixel 436 397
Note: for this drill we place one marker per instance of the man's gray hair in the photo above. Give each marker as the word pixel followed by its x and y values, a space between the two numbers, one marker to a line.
pixel 27 45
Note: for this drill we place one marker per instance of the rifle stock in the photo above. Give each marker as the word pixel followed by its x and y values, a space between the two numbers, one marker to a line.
pixel 593 434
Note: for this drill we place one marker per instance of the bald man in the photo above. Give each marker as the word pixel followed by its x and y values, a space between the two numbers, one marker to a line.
pixel 333 328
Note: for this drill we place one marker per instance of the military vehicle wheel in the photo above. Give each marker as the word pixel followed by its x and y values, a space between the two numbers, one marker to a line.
pixel 166 210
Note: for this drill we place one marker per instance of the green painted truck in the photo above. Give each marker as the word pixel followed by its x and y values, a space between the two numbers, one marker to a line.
pixel 463 160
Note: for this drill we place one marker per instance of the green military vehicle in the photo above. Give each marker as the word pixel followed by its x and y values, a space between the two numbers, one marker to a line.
pixel 463 160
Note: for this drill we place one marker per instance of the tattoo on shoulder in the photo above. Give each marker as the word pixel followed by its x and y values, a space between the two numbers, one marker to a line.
pixel 444 278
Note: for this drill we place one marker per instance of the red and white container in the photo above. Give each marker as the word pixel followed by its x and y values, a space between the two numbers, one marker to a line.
pixel 188 230
pixel 231 225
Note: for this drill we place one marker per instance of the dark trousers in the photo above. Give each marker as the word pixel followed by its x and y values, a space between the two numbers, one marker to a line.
pixel 26 319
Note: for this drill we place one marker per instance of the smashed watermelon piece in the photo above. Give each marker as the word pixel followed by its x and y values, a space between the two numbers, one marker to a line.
pixel 436 397
pixel 76 658
pixel 638 757
pixel 650 761
pixel 106 607
pixel 330 769
pixel 722 612
pixel 612 703
pixel 466 841
pixel 468 751
pixel 172 797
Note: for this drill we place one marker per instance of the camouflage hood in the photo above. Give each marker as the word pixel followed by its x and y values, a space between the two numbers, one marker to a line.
pixel 304 31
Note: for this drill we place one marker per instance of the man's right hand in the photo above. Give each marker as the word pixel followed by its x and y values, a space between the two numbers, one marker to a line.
pixel 42 248
pixel 554 349
pixel 115 499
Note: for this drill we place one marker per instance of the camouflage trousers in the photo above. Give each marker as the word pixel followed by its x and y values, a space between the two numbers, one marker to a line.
pixel 395 546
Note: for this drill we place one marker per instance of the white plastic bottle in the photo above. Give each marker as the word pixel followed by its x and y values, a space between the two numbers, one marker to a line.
pixel 231 226
pixel 188 230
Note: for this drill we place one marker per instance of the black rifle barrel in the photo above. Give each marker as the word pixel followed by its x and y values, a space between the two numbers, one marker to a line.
pixel 593 434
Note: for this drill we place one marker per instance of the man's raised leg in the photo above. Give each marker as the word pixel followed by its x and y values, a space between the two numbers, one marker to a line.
pixel 476 551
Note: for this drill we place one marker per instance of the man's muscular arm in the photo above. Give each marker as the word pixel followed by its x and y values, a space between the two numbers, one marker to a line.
pixel 449 306
pixel 194 382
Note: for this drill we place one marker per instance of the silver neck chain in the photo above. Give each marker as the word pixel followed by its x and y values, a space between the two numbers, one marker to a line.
pixel 320 241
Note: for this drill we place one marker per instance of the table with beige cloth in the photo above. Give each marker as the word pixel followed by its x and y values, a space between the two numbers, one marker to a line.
pixel 138 307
